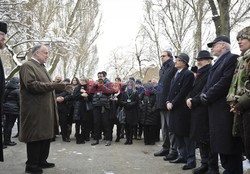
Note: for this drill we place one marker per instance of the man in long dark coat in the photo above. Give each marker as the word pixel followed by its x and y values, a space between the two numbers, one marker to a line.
pixel 199 128
pixel 3 32
pixel 38 109
pixel 179 122
pixel 220 118
pixel 166 74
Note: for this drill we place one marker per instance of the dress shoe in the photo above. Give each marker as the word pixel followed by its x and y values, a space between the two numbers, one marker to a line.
pixel 126 143
pixel 178 160
pixel 200 170
pixel 117 140
pixel 188 166
pixel 4 146
pixel 162 152
pixel 33 170
pixel 10 143
pixel 108 143
pixel 210 171
pixel 170 157
pixel 66 140
pixel 95 142
pixel 46 165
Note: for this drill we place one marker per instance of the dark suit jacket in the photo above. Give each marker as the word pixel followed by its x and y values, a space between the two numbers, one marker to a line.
pixel 180 114
pixel 2 86
pixel 220 117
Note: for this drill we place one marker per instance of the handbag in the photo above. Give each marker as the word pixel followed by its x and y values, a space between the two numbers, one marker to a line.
pixel 121 116
pixel 89 106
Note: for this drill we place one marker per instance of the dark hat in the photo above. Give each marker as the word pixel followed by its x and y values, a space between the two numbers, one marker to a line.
pixel 138 81
pixel 184 57
pixel 203 54
pixel 3 27
pixel 244 33
pixel 219 38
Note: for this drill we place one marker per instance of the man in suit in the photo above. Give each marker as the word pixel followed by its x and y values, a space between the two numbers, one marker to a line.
pixel 179 122
pixel 199 128
pixel 220 118
pixel 166 73
pixel 38 109
pixel 3 32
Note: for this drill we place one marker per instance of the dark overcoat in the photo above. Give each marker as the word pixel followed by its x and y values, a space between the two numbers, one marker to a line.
pixel 166 74
pixel 199 128
pixel 130 108
pixel 2 86
pixel 179 121
pixel 220 117
pixel 38 107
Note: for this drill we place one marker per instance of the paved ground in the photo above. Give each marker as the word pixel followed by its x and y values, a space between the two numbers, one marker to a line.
pixel 71 158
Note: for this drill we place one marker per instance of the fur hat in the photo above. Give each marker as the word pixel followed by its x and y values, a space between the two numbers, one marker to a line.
pixel 244 33
pixel 3 27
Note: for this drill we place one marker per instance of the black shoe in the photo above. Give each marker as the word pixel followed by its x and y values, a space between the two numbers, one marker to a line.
pixel 46 165
pixel 95 142
pixel 170 157
pixel 212 172
pixel 10 143
pixel 178 160
pixel 117 140
pixel 108 143
pixel 200 170
pixel 126 143
pixel 188 166
pixel 4 146
pixel 162 152
pixel 66 140
pixel 33 170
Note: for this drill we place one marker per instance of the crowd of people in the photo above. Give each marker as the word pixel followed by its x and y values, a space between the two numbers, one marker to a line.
pixel 206 108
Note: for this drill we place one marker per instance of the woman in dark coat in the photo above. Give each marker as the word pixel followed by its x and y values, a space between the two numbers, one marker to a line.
pixel 82 111
pixel 148 116
pixel 130 101
pixel 11 109
pixel 64 111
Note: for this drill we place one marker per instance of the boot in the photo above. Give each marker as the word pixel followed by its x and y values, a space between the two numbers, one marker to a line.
pixel 7 139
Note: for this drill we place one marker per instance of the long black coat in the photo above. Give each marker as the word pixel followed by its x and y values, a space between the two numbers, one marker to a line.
pixel 11 97
pixel 130 108
pixel 2 86
pixel 179 121
pixel 166 74
pixel 199 128
pixel 149 115
pixel 220 117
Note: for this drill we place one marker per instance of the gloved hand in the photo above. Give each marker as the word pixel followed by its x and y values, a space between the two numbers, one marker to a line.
pixel 58 86
pixel 204 99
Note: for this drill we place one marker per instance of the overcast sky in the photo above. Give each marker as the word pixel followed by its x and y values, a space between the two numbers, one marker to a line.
pixel 121 20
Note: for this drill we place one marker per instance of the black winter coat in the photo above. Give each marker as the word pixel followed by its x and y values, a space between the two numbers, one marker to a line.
pixel 149 115
pixel 130 108
pixel 220 117
pixel 11 97
pixel 101 94
pixel 166 74
pixel 79 104
pixel 65 106
pixel 179 121
pixel 199 128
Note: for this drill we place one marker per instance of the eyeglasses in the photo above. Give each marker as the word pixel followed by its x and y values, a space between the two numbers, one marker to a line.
pixel 217 43
pixel 163 55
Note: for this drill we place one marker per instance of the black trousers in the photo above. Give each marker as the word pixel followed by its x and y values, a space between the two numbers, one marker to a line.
pixel 102 122
pixel 231 163
pixel 129 132
pixel 37 152
pixel 149 132
pixel 9 123
pixel 64 121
